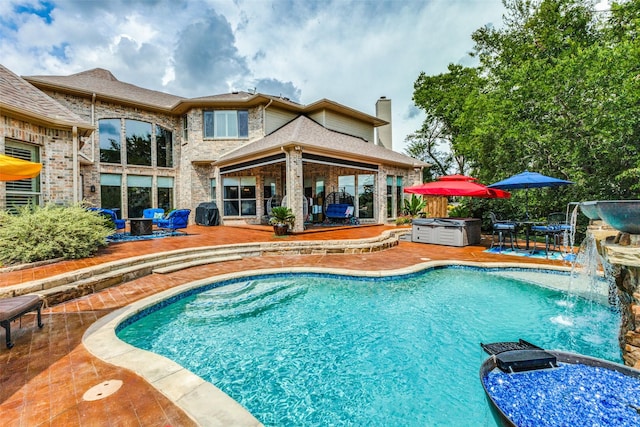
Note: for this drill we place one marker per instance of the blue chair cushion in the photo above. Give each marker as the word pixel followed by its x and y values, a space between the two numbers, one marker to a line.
pixel 339 210
pixel 504 226
pixel 548 228
pixel 154 214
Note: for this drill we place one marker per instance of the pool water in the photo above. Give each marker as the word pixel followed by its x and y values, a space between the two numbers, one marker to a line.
pixel 318 350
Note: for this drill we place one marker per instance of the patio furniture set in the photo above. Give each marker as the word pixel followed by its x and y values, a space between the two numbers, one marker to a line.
pixel 173 221
pixel 554 231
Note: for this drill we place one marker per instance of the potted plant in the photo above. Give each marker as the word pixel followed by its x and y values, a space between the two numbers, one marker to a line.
pixel 281 218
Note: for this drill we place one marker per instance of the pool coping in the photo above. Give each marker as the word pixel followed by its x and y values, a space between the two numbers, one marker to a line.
pixel 206 404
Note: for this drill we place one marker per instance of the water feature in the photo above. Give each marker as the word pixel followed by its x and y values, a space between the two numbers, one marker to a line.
pixel 614 234
pixel 301 349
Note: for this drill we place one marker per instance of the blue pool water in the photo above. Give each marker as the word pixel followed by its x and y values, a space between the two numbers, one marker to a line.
pixel 313 350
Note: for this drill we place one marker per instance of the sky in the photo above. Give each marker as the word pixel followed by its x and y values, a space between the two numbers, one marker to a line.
pixel 350 52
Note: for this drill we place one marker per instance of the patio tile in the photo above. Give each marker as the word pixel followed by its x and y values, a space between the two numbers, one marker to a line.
pixel 43 378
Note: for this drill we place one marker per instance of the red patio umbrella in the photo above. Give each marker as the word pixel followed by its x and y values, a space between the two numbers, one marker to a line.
pixel 457 177
pixel 456 187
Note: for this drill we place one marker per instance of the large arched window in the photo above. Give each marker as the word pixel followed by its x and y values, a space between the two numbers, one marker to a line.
pixel 110 144
pixel 138 142
pixel 164 147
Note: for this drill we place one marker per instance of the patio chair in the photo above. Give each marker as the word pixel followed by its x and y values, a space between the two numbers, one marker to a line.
pixel 119 224
pixel 154 214
pixel 175 220
pixel 554 231
pixel 504 229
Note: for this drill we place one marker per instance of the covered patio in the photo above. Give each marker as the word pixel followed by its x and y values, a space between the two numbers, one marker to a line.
pixel 306 167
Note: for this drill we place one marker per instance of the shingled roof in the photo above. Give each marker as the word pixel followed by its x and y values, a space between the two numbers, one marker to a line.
pixel 309 134
pixel 21 98
pixel 106 86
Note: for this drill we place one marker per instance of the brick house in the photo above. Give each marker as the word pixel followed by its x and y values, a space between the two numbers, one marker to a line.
pixel 245 151
pixel 39 129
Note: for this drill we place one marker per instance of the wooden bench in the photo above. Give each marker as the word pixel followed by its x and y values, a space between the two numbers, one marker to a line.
pixel 13 308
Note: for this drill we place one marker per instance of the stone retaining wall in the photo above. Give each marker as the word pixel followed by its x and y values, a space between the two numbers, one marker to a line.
pixel 623 253
pixel 67 286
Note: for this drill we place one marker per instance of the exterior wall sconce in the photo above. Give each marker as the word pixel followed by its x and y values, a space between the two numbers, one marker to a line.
pixel 92 188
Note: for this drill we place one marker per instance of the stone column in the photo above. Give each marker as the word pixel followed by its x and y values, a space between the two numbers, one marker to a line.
pixel 295 185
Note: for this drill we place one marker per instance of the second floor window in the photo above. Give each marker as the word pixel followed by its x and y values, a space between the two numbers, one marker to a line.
pixel 164 147
pixel 226 124
pixel 138 142
pixel 110 145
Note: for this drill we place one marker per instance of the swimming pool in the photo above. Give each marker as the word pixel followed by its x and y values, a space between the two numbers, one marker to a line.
pixel 309 349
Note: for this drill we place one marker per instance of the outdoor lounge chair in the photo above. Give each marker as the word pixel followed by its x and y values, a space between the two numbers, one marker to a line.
pixel 503 228
pixel 154 214
pixel 175 220
pixel 13 308
pixel 119 224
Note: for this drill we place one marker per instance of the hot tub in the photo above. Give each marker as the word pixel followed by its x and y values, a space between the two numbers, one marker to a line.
pixel 446 231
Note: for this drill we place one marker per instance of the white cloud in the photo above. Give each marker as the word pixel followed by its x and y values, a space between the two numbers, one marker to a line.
pixel 351 52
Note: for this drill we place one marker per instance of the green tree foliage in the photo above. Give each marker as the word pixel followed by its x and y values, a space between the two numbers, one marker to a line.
pixel 431 145
pixel 443 97
pixel 557 91
pixel 50 232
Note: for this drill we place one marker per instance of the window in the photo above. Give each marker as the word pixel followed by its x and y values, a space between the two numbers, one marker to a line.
pixel 165 193
pixel 138 195
pixel 390 197
pixel 365 195
pixel 185 128
pixel 138 143
pixel 399 196
pixel 25 191
pixel 110 192
pixel 239 194
pixel 164 147
pixel 347 183
pixel 226 124
pixel 268 191
pixel 213 189
pixel 110 144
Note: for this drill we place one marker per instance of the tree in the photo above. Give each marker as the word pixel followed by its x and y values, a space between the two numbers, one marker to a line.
pixel 557 90
pixel 443 98
pixel 431 145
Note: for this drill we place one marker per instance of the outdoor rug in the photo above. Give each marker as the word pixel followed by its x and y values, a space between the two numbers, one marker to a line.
pixel 553 255
pixel 127 237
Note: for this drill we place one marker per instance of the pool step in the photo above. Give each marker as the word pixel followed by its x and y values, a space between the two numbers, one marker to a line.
pixel 181 265
pixel 249 299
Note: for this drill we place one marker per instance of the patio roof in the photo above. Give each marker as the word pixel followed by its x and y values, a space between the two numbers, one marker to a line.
pixel 315 138
pixel 25 101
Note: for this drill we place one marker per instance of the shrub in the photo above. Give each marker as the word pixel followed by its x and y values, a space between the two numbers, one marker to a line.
pixel 42 233
pixel 404 219
pixel 281 215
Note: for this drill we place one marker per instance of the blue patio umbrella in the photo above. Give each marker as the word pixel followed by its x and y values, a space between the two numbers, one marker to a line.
pixel 528 180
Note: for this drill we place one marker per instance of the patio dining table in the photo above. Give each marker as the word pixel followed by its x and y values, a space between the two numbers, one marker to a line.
pixel 527 224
